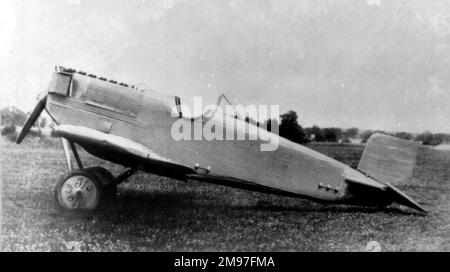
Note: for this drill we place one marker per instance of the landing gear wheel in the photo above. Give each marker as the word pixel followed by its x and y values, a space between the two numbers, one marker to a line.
pixel 79 190
pixel 100 173
pixel 105 177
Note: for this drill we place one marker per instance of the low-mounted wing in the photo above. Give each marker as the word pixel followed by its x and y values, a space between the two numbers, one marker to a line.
pixel 121 150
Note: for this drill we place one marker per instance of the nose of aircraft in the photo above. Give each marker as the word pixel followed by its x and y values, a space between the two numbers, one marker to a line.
pixel 32 118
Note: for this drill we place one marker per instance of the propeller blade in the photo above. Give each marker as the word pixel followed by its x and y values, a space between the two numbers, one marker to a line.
pixel 32 119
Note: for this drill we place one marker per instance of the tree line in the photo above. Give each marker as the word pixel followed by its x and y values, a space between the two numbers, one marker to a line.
pixel 12 117
pixel 288 128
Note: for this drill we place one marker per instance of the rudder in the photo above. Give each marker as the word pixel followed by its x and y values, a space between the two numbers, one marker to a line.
pixel 388 159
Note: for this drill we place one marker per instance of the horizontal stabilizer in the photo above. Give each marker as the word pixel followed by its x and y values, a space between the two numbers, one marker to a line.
pixel 364 189
pixel 403 199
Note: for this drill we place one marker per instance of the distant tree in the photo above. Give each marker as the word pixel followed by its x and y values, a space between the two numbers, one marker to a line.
pixel 427 138
pixel 332 134
pixel 307 131
pixel 269 124
pixel 10 133
pixel 350 133
pixel 290 129
pixel 43 122
pixel 12 116
pixel 440 138
pixel 316 134
pixel 9 129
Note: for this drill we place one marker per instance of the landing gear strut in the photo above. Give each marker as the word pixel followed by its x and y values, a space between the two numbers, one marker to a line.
pixel 87 189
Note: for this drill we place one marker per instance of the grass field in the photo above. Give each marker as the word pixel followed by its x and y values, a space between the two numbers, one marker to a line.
pixel 160 214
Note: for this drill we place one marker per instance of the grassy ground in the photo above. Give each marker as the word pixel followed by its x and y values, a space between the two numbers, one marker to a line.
pixel 160 214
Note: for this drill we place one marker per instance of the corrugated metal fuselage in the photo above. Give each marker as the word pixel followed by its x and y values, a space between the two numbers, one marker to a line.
pixel 145 117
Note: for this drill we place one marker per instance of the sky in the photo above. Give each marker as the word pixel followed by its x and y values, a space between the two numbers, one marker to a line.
pixel 371 64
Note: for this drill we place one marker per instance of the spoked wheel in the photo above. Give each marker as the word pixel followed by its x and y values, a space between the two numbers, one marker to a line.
pixel 85 190
pixel 78 190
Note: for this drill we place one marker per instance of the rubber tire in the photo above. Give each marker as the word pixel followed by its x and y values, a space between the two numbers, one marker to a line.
pixel 105 177
pixel 78 172
pixel 101 173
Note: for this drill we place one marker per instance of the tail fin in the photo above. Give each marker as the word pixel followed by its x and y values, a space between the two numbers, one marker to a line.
pixel 388 159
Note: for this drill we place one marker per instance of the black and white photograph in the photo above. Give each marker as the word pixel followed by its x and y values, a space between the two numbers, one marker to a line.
pixel 256 126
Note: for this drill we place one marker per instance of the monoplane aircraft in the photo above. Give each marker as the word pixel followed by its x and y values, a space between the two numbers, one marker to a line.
pixel 131 126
